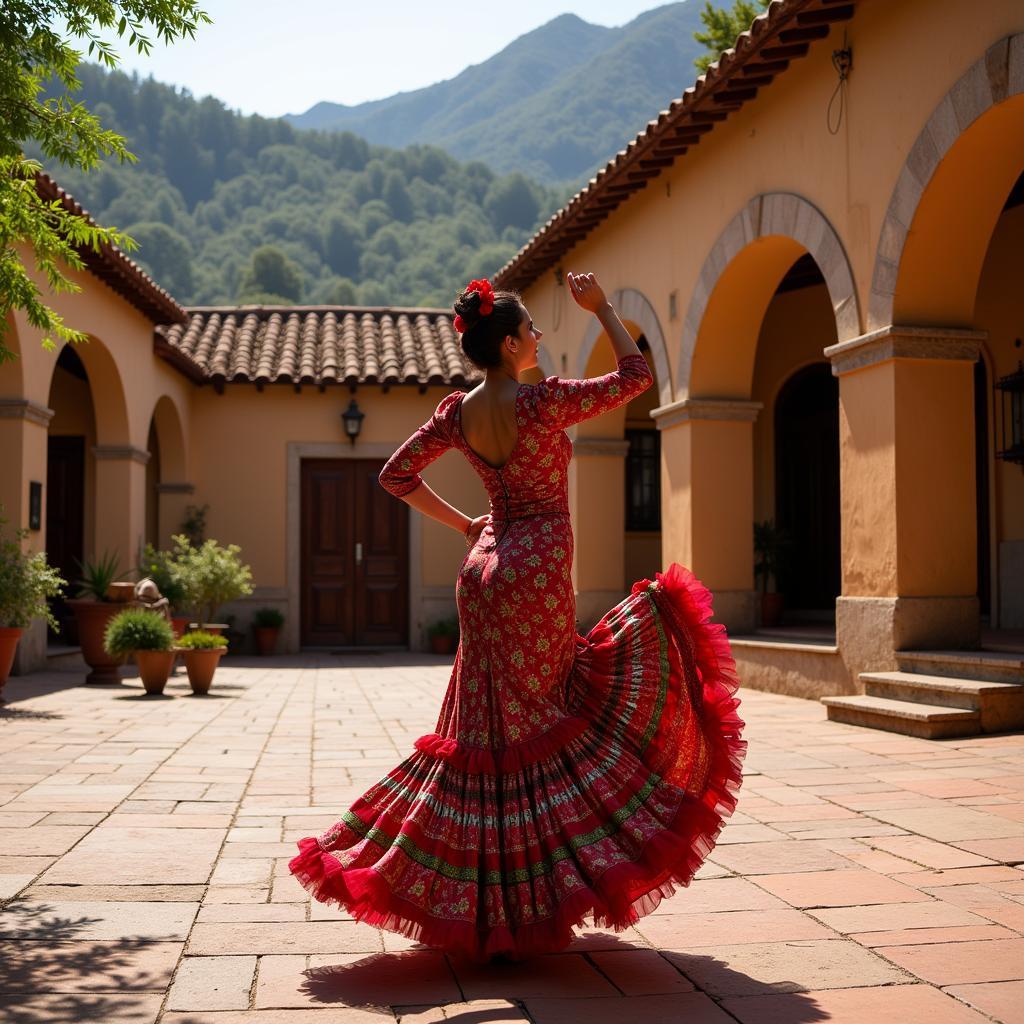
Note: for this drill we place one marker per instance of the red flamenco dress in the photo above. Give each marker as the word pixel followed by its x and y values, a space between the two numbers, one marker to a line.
pixel 570 777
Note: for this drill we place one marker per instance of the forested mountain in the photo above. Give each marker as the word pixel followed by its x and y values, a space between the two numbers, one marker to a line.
pixel 555 104
pixel 346 221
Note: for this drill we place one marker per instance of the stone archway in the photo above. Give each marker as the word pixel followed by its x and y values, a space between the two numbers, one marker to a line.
pixel 167 488
pixel 929 275
pixel 796 226
pixel 633 305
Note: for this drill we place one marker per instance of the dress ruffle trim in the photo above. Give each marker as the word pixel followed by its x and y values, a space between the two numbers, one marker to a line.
pixel 477 760
pixel 625 892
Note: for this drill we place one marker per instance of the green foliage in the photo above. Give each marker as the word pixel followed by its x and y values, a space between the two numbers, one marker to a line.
pixel 96 576
pixel 38 44
pixel 162 569
pixel 26 582
pixel 211 575
pixel 201 641
pixel 722 26
pixel 268 618
pixel 444 627
pixel 136 629
pixel 270 273
pixel 167 254
pixel 319 199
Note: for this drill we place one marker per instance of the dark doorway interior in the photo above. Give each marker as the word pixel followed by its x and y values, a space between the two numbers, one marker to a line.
pixel 981 484
pixel 65 511
pixel 807 491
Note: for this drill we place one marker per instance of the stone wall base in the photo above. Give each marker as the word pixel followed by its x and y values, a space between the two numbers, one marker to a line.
pixel 869 630
pixel 30 655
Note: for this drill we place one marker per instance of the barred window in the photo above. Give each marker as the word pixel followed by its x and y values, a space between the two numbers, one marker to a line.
pixel 643 480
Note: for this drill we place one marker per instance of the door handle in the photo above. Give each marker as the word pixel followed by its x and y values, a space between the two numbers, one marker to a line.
pixel 359 553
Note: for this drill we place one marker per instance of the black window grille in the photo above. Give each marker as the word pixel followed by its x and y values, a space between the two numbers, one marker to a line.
pixel 643 480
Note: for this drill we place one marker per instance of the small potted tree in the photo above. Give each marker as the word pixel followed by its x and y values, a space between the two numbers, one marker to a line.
pixel 149 637
pixel 27 581
pixel 202 653
pixel 93 610
pixel 266 624
pixel 211 575
pixel 162 569
pixel 769 548
pixel 444 635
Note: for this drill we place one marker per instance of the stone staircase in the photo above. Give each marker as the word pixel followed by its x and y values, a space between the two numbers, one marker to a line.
pixel 938 694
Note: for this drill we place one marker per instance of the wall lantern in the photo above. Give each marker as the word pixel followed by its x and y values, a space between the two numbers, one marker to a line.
pixel 353 417
pixel 1011 416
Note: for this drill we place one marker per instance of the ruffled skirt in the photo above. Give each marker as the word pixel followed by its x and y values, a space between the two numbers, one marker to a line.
pixel 600 818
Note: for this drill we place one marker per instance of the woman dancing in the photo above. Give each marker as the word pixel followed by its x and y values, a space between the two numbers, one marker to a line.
pixel 569 777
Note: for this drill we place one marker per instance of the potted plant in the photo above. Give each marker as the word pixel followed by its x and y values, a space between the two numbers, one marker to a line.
pixel 770 545
pixel 93 611
pixel 27 581
pixel 149 637
pixel 211 575
pixel 266 624
pixel 202 652
pixel 162 568
pixel 443 635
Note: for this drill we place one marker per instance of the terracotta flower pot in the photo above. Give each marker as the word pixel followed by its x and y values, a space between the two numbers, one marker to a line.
pixel 121 592
pixel 9 637
pixel 266 639
pixel 200 666
pixel 442 643
pixel 92 618
pixel 154 668
pixel 179 624
pixel 771 609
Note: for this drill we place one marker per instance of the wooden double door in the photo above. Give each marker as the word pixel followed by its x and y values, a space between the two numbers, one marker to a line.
pixel 355 557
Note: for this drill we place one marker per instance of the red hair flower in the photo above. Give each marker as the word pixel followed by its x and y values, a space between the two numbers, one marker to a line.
pixel 459 324
pixel 486 292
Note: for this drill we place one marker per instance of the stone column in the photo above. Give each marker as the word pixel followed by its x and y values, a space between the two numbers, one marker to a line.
pixel 597 482
pixel 120 502
pixel 23 448
pixel 707 488
pixel 909 516
pixel 172 500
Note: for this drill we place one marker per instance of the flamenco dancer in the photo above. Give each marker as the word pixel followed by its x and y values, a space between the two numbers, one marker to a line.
pixel 570 777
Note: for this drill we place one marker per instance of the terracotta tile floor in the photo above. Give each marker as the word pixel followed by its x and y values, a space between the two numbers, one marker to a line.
pixel 865 877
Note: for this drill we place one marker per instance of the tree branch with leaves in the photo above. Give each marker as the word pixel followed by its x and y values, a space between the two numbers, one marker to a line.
pixel 723 26
pixel 38 45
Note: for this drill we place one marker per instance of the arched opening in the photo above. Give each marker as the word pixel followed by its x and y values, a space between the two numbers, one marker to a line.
pixel 642 484
pixel 999 497
pixel 166 487
pixel 153 477
pixel 806 425
pixel 70 479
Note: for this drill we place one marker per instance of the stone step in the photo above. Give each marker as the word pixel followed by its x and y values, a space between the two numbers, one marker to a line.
pixel 995 666
pixel 927 721
pixel 1001 705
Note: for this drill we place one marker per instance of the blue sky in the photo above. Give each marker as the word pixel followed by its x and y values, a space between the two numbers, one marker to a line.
pixel 273 58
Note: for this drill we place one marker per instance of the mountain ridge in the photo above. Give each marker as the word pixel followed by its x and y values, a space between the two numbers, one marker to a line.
pixel 555 103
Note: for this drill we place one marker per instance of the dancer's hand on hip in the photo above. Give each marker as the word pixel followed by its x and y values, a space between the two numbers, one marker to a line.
pixel 475 528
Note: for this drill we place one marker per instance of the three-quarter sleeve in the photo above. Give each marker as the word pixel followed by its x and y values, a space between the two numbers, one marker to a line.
pixel 561 403
pixel 401 474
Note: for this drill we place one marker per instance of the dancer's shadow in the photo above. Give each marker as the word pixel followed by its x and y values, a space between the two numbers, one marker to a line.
pixel 421 977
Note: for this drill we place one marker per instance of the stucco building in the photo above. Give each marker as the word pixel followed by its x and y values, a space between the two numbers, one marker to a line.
pixel 819 244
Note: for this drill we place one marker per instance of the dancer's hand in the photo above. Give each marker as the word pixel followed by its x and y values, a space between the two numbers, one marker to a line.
pixel 589 295
pixel 475 528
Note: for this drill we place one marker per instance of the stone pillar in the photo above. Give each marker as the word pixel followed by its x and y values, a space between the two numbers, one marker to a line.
pixel 23 447
pixel 172 500
pixel 120 502
pixel 909 515
pixel 707 494
pixel 597 485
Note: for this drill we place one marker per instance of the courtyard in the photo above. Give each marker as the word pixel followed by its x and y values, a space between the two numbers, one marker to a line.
pixel 144 844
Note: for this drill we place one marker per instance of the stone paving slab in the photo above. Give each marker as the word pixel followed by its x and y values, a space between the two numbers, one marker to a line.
pixel 144 848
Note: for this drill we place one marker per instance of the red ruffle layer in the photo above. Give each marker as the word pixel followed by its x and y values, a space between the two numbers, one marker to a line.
pixel 624 893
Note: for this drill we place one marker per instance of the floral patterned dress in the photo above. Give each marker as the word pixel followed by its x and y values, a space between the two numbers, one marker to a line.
pixel 569 777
